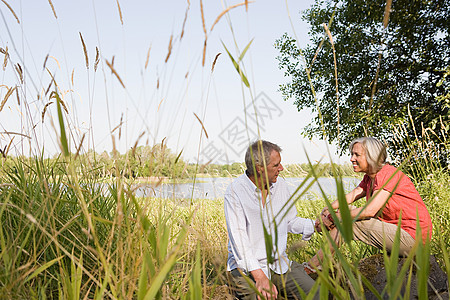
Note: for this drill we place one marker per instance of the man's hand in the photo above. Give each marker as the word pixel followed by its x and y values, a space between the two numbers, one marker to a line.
pixel 264 286
pixel 317 225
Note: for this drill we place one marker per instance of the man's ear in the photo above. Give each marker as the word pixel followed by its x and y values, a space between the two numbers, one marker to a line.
pixel 260 169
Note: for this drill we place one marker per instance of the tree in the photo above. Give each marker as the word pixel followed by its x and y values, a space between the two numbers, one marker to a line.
pixel 383 73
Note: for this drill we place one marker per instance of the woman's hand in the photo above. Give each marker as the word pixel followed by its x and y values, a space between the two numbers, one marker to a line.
pixel 317 224
pixel 325 218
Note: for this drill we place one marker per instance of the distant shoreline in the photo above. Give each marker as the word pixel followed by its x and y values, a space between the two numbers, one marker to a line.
pixel 165 180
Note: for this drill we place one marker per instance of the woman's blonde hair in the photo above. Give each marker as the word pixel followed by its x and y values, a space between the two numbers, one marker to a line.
pixel 375 152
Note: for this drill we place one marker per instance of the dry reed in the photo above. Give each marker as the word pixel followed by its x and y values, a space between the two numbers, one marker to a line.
pixel 169 51
pixel 79 146
pixel 50 85
pixel 19 71
pixel 5 59
pixel 110 65
pixel 16 133
pixel 133 149
pixel 120 11
pixel 63 104
pixel 214 62
pixel 336 81
pixel 184 22
pixel 45 62
pixel 8 93
pixel 204 31
pixel 45 109
pixel 53 8
pixel 84 50
pixel 227 10
pixel 17 96
pixel 57 61
pixel 120 128
pixel 380 55
pixel 204 52
pixel 97 59
pixel 11 10
pixel 201 123
pixel 160 102
pixel 148 57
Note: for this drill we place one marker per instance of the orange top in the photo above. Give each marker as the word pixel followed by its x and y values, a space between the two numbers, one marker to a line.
pixel 405 200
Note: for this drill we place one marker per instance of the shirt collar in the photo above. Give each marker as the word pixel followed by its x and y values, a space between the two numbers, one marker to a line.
pixel 252 186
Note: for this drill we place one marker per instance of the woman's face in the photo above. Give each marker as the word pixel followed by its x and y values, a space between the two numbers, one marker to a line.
pixel 358 159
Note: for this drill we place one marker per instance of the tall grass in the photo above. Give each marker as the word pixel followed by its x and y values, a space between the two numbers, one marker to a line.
pixel 124 247
pixel 65 234
pixel 117 247
pixel 431 177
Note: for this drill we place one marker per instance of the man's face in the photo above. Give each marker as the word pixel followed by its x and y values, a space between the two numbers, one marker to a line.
pixel 274 168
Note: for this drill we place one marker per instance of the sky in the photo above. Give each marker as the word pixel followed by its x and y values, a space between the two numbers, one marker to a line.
pixel 150 84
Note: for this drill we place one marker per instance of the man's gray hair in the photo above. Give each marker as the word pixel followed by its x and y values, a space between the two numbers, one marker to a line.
pixel 257 153
pixel 375 152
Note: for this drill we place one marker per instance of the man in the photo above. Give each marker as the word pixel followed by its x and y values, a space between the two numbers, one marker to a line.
pixel 257 202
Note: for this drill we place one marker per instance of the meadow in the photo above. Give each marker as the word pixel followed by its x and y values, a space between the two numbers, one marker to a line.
pixel 72 227
pixel 62 236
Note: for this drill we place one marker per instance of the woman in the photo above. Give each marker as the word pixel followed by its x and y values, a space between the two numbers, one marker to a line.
pixel 390 195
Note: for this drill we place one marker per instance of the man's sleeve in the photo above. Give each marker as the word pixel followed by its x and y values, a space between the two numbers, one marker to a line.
pixel 237 233
pixel 302 226
pixel 298 225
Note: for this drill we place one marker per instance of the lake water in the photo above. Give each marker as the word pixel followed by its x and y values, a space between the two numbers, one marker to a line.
pixel 214 188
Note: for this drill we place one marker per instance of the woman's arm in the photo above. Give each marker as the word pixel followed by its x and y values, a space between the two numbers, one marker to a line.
pixel 351 197
pixel 374 205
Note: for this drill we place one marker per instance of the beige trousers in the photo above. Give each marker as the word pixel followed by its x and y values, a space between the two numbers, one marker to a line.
pixel 378 233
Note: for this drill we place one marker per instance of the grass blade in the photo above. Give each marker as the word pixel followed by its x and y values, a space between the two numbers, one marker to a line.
pixel 159 279
pixel 63 137
pixel 143 278
pixel 237 67
pixel 245 50
pixel 43 268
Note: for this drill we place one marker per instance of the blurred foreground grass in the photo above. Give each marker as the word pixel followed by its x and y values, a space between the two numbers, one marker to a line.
pixel 69 237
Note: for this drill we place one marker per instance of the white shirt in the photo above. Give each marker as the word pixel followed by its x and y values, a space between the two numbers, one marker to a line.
pixel 245 217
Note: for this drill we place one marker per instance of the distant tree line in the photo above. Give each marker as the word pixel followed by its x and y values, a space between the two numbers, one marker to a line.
pixel 320 169
pixel 160 161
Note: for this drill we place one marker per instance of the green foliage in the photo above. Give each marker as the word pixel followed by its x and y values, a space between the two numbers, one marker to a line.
pixel 217 170
pixel 291 170
pixel 325 169
pixel 195 281
pixel 155 248
pixel 382 72
pixel 63 138
pixel 236 63
pixel 65 236
pixel 142 161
